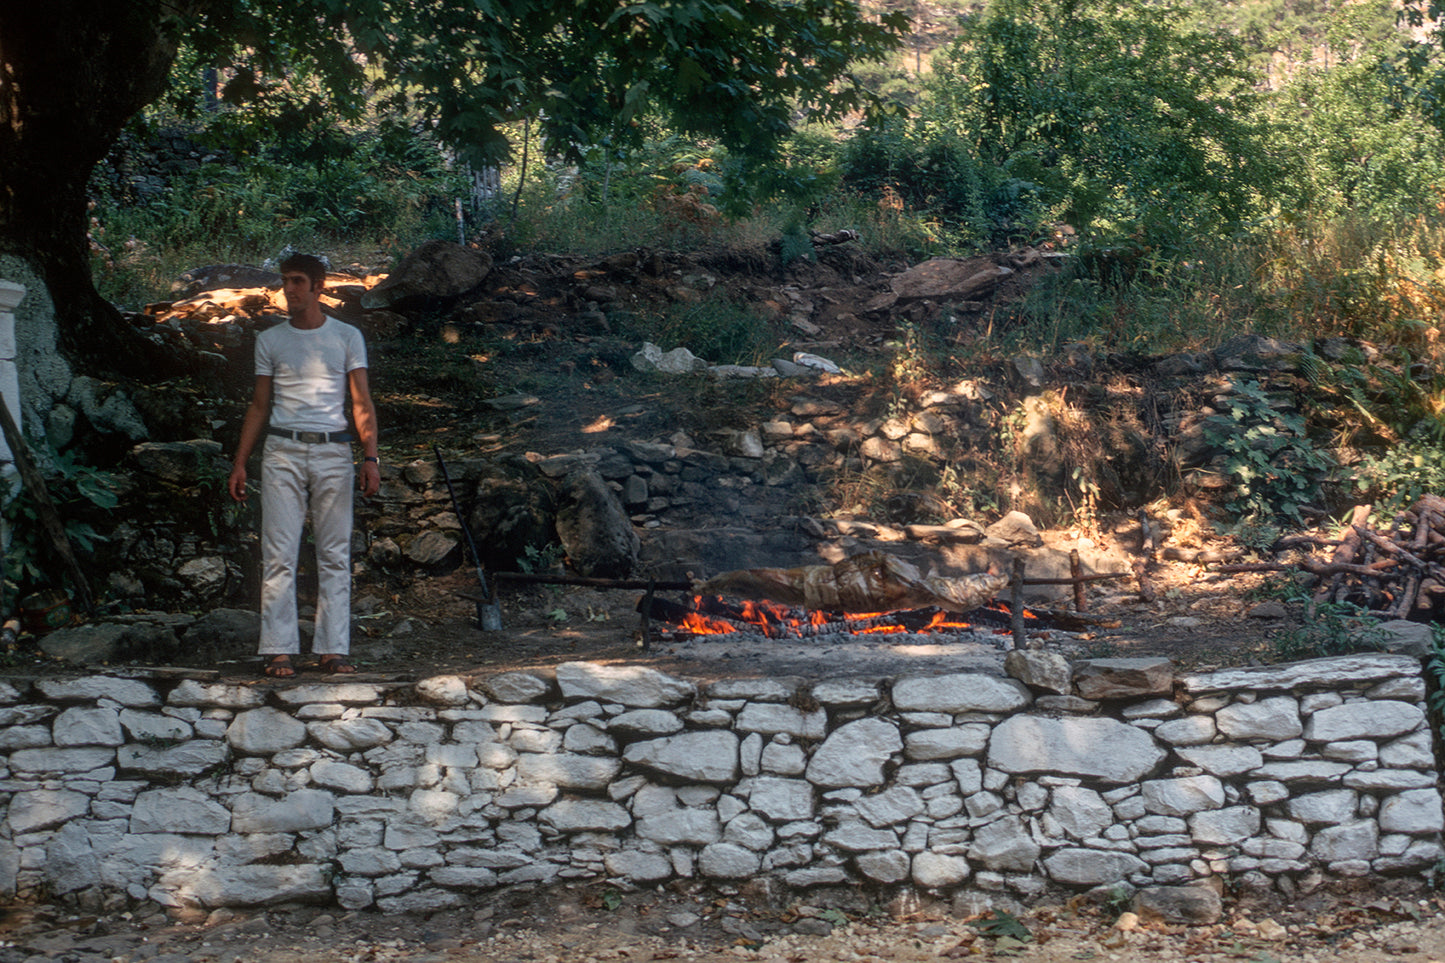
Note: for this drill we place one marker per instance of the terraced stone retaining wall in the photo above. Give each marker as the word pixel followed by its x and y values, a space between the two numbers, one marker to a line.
pixel 417 796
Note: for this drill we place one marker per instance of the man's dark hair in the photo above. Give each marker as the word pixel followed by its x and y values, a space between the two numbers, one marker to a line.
pixel 308 264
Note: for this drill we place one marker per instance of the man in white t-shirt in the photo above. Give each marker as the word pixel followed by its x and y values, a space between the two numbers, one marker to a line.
pixel 304 371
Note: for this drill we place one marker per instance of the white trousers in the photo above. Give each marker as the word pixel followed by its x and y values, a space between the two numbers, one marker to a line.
pixel 296 476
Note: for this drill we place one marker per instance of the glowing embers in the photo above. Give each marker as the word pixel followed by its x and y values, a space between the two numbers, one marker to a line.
pixel 716 615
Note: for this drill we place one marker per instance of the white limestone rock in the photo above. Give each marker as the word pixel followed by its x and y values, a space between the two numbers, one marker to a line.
pixel 587 739
pixel 154 727
pixel 781 800
pixel 464 877
pixel 749 831
pixel 937 870
pixel 1090 867
pixel 37 809
pixel 1305 771
pixel 853 835
pixel 952 743
pixel 1388 780
pixel 297 811
pixel 894 805
pixel 1378 719
pixel 585 815
pixel 342 777
pixel 257 885
pixel 644 722
pixel 1196 730
pixel 344 693
pixel 179 809
pixel 783 759
pixel 1340 672
pixel 1223 760
pixel 567 770
pixel 1049 671
pixel 443 690
pixel 855 754
pixel 705 756
pixel 71 862
pixel 1414 751
pixel 634 686
pixel 265 731
pixel 770 719
pixel 1416 811
pixel 187 759
pixel 516 687
pixel 79 726
pixel 1221 827
pixel 680 827
pixel 1328 808
pixel 370 861
pixel 884 866
pixel 350 735
pixel 962 692
pixel 1079 811
pixel 1275 719
pixel 127 692
pixel 728 861
pixel 1354 840
pixel 1098 748
pixel 1183 796
pixel 638 867
pixel 846 692
pixel 1005 845
pixel 189 692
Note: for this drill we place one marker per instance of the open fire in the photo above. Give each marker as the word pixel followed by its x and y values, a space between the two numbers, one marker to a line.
pixel 716 615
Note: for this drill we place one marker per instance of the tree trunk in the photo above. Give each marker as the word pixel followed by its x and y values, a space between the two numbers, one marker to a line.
pixel 72 73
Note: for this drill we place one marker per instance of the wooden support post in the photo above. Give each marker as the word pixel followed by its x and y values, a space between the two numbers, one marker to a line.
pixel 646 609
pixel 1076 572
pixel 1016 603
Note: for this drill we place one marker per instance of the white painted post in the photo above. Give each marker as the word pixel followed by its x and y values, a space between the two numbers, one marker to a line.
pixel 10 296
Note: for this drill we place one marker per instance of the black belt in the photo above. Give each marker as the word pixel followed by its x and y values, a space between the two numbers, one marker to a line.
pixel 312 437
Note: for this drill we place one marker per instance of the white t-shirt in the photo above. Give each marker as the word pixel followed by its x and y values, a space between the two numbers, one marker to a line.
pixel 308 369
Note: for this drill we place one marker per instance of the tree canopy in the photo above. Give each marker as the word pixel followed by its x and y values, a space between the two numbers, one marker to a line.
pixel 74 71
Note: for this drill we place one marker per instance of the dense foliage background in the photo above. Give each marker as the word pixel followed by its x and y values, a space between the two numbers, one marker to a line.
pixel 1272 166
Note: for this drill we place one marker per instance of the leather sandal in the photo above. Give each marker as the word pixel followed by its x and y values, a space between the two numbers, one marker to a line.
pixel 336 665
pixel 278 667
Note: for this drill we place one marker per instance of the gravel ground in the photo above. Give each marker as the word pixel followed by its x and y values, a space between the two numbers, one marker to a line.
pixel 566 925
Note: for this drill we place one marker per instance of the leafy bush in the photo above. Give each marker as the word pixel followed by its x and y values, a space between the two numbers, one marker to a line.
pixel 1276 469
pixel 1329 629
pixel 1395 478
pixel 79 493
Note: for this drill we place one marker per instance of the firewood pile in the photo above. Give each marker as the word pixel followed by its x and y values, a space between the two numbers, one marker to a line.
pixel 1398 573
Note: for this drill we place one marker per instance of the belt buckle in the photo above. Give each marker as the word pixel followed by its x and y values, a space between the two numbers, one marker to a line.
pixel 311 437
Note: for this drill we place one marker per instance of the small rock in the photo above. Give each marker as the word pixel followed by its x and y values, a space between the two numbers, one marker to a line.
pixel 1269 610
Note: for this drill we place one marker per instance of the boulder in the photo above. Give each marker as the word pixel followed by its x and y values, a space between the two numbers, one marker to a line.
pixel 1123 678
pixel 594 528
pixel 513 514
pixel 435 269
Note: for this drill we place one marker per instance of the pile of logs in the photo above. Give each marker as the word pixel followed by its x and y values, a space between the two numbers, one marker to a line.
pixel 1399 573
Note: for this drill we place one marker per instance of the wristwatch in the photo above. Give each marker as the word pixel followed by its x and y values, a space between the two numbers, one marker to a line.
pixel 373 459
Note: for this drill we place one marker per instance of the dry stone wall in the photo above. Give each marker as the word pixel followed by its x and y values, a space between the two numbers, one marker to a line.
pixel 417 796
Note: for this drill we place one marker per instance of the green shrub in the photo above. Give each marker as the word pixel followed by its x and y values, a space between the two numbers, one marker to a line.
pixel 1276 469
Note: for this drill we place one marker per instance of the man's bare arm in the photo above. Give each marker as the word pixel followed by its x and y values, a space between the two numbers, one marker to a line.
pixel 363 413
pixel 258 413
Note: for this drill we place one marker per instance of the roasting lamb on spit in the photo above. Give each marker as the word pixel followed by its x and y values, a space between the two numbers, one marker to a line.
pixel 868 582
